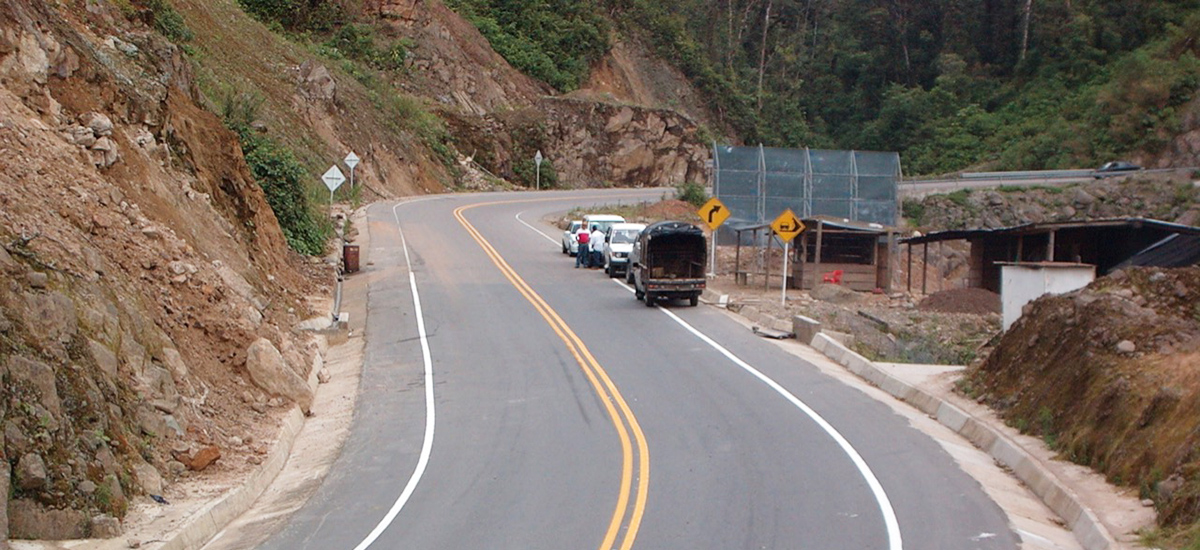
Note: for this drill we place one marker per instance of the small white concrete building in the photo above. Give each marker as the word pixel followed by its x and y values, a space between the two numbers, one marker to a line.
pixel 1024 282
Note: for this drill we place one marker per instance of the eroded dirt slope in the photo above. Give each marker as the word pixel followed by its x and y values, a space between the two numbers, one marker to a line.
pixel 1110 376
pixel 140 263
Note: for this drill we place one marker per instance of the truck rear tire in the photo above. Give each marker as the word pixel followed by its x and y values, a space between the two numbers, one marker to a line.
pixel 650 298
pixel 694 301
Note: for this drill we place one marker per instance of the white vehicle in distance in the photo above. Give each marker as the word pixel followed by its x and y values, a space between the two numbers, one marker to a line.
pixel 601 220
pixel 570 244
pixel 618 243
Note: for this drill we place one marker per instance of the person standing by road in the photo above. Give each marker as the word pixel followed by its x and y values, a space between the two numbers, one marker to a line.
pixel 597 244
pixel 583 253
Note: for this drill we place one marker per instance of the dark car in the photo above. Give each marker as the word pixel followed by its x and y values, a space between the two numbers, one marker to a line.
pixel 1115 168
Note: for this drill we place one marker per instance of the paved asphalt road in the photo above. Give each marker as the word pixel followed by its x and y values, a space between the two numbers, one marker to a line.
pixel 567 415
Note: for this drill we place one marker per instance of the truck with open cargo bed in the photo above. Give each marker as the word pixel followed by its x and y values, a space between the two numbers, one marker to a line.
pixel 667 262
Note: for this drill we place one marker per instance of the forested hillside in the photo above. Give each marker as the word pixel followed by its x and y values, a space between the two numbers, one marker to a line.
pixel 1008 84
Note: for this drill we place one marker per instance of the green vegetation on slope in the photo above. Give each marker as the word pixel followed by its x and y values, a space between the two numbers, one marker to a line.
pixel 947 84
pixel 280 176
pixel 555 41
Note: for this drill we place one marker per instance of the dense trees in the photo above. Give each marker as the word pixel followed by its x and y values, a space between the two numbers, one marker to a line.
pixel 552 40
pixel 949 84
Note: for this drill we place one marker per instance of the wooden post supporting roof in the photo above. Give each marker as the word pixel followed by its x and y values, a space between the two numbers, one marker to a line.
pixel 925 268
pixel 909 268
pixel 817 263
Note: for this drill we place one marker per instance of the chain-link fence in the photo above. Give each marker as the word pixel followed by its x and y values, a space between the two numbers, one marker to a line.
pixel 759 183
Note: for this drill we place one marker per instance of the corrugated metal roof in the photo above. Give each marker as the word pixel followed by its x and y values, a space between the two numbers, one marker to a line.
pixel 1177 250
pixel 1043 227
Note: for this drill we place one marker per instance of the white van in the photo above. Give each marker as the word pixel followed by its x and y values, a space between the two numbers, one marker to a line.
pixel 602 220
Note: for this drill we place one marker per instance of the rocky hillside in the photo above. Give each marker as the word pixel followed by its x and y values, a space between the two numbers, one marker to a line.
pixel 148 320
pixel 1166 198
pixel 148 297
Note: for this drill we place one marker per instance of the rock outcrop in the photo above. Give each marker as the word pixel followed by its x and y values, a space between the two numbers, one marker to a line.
pixel 125 211
pixel 589 144
pixel 270 372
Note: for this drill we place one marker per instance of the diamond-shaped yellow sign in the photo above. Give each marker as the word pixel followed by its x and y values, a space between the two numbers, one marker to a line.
pixel 787 226
pixel 713 213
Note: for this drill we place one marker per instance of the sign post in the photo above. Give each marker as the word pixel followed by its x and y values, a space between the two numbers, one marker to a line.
pixel 787 226
pixel 713 214
pixel 352 161
pixel 333 179
pixel 537 160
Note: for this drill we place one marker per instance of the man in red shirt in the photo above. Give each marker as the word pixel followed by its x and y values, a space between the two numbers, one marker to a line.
pixel 584 255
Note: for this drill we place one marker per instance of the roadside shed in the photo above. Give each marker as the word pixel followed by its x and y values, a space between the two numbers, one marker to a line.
pixel 850 253
pixel 1107 244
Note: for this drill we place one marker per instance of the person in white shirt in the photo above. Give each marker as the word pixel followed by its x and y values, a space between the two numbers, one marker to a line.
pixel 597 246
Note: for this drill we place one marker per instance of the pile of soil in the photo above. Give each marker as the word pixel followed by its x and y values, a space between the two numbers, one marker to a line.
pixel 1108 376
pixel 672 209
pixel 962 300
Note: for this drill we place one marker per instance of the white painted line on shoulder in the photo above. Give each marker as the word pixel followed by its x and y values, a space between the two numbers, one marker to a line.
pixel 536 230
pixel 885 506
pixel 430 413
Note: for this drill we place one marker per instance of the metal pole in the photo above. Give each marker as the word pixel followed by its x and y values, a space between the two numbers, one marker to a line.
pixel 712 262
pixel 352 178
pixel 737 259
pixel 538 184
pixel 783 287
pixel 767 262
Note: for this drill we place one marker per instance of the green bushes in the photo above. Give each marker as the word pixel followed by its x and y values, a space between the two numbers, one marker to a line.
pixel 555 41
pixel 692 193
pixel 278 173
pixel 168 22
pixel 526 171
pixel 282 179
pixel 296 15
pixel 358 42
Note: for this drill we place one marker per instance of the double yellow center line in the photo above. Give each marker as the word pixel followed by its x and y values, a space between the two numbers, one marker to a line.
pixel 624 519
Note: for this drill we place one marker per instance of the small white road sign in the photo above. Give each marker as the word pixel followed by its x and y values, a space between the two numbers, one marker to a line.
pixel 333 178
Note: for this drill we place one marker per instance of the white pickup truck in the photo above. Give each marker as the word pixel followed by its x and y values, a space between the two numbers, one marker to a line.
pixel 618 243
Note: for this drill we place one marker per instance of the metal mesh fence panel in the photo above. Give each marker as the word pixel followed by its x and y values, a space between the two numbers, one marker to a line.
pixel 759 183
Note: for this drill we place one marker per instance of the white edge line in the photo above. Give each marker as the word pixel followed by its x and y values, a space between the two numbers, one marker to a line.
pixel 430 413
pixel 536 230
pixel 885 505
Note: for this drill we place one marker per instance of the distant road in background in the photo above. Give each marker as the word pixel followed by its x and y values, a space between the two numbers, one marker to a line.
pixel 987 180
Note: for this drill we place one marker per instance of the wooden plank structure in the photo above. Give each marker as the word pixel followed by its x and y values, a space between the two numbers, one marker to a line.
pixel 1107 244
pixel 861 252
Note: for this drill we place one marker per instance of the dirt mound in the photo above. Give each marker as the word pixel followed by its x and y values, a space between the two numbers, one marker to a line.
pixel 672 209
pixel 962 300
pixel 1107 376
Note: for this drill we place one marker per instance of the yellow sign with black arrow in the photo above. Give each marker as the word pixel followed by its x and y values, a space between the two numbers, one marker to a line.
pixel 713 213
pixel 787 226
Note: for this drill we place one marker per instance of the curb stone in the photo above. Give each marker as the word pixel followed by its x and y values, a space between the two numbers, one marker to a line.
pixel 1087 528
pixel 203 525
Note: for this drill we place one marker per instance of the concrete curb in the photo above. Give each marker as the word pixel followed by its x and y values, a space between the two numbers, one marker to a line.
pixel 1087 528
pixel 205 523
